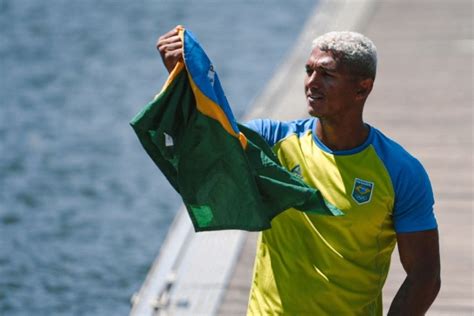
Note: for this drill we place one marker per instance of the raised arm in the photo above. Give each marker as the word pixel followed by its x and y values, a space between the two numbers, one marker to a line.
pixel 419 255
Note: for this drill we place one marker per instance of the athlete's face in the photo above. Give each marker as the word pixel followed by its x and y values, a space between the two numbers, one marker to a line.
pixel 330 89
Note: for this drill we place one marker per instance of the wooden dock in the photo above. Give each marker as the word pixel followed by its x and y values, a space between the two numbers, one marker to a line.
pixel 422 98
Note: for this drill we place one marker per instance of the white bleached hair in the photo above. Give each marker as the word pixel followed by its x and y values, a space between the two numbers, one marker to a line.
pixel 354 50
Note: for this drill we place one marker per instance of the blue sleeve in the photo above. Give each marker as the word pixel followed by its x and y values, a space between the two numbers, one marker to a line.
pixel 274 131
pixel 413 205
pixel 256 126
pixel 268 129
pixel 413 209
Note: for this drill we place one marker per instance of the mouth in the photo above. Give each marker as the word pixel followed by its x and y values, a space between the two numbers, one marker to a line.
pixel 313 97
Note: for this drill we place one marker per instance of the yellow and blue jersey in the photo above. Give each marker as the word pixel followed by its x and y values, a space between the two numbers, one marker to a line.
pixel 315 265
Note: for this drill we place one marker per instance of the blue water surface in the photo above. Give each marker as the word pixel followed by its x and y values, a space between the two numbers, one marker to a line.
pixel 83 210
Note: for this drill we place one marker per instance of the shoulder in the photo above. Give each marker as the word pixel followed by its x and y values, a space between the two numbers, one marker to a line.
pixel 400 164
pixel 413 206
pixel 274 131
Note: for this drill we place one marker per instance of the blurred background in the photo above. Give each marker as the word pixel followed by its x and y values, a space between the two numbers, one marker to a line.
pixel 83 210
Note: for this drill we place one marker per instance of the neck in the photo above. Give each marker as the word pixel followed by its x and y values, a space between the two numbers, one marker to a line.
pixel 342 135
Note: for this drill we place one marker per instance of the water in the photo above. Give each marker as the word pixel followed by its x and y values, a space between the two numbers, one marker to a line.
pixel 83 210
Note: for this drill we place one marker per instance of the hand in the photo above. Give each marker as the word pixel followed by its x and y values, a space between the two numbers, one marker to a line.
pixel 170 48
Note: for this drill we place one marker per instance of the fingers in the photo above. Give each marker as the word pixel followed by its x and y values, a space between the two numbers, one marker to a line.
pixel 171 33
pixel 170 40
pixel 165 41
pixel 174 46
pixel 172 55
pixel 170 47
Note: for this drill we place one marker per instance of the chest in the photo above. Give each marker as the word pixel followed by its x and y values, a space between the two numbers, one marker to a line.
pixel 358 184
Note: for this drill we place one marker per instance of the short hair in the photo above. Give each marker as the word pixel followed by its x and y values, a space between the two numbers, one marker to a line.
pixel 357 52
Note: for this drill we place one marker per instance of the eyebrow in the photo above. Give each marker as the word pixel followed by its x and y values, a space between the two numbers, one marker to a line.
pixel 324 64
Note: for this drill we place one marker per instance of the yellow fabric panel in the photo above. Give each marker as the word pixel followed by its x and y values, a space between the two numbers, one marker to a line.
pixel 207 107
pixel 321 265
pixel 176 70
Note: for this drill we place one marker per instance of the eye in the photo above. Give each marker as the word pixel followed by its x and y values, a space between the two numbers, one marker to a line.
pixel 308 70
pixel 325 73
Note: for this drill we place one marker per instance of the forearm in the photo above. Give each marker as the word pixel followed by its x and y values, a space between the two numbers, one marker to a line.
pixel 415 296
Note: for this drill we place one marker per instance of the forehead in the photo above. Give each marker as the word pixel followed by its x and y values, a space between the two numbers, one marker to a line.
pixel 323 59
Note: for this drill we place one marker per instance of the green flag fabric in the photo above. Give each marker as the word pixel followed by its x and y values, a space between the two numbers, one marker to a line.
pixel 226 174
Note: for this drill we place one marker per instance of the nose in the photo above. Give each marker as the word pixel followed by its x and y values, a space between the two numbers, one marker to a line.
pixel 313 79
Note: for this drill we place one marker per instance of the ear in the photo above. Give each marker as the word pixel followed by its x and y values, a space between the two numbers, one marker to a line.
pixel 364 87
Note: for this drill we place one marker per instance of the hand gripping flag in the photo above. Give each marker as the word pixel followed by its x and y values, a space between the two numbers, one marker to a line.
pixel 226 174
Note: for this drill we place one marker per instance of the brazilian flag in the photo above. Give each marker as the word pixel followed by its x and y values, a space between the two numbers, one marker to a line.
pixel 226 174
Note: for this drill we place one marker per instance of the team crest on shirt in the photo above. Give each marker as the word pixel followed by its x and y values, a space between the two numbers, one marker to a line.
pixel 362 191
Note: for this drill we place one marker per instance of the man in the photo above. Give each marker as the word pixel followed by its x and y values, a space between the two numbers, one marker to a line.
pixel 314 265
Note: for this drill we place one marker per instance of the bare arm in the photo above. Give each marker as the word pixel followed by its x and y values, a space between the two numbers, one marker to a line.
pixel 171 48
pixel 419 255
